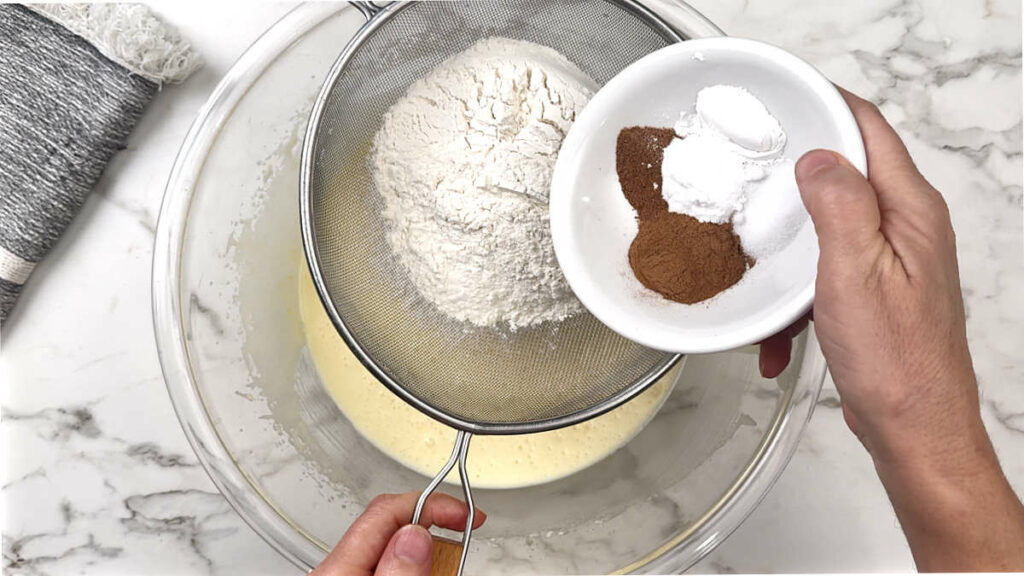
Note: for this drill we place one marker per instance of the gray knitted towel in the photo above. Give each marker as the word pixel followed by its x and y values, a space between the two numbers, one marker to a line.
pixel 74 80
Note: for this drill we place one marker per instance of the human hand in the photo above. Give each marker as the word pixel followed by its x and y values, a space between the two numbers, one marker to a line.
pixel 382 543
pixel 889 316
pixel 888 310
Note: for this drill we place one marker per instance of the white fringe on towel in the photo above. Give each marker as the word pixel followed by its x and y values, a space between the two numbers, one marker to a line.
pixel 130 35
pixel 14 268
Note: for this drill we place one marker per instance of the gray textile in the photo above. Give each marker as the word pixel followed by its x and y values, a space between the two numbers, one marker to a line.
pixel 65 110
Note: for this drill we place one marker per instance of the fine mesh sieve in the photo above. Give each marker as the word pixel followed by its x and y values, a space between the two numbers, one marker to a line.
pixel 487 381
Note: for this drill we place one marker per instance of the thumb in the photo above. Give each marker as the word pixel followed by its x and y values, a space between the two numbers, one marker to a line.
pixel 409 553
pixel 842 203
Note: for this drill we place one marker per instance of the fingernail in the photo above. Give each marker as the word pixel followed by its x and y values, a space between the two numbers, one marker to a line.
pixel 413 544
pixel 813 162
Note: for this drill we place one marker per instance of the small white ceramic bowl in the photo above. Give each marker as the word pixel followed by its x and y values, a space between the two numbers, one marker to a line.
pixel 592 224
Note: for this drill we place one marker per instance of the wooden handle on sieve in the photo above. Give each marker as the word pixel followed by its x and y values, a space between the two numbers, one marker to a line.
pixel 447 554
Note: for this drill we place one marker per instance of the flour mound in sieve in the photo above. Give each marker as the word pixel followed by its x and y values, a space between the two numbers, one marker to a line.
pixel 463 162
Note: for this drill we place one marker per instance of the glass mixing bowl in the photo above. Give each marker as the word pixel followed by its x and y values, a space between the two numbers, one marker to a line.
pixel 234 357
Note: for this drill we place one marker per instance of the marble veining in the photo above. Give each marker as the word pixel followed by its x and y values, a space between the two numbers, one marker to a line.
pixel 99 478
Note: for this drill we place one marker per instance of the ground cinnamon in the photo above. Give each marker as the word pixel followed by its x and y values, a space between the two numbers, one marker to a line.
pixel 638 154
pixel 676 255
pixel 684 259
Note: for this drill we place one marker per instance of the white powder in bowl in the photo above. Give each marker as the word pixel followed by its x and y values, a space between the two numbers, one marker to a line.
pixel 727 142
pixel 773 213
pixel 463 162
pixel 726 165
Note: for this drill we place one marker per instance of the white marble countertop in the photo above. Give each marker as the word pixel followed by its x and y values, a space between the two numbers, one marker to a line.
pixel 99 478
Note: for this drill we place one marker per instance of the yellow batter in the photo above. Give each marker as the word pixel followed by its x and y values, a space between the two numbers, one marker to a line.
pixel 423 444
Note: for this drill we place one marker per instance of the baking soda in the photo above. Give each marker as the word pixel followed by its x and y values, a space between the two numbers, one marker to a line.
pixel 726 165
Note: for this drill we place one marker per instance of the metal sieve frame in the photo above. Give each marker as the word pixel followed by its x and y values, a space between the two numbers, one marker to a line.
pixel 377 16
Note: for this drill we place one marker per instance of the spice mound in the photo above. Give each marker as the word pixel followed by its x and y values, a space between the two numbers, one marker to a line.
pixel 638 155
pixel 712 194
pixel 684 259
pixel 673 254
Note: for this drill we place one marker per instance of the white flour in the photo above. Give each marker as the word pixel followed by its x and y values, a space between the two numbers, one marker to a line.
pixel 463 161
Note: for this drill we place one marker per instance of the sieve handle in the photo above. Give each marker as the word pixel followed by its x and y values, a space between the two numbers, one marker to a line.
pixel 446 561
pixel 447 557
pixel 369 8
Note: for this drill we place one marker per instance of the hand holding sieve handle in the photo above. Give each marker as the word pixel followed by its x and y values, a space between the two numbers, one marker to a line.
pixel 447 559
